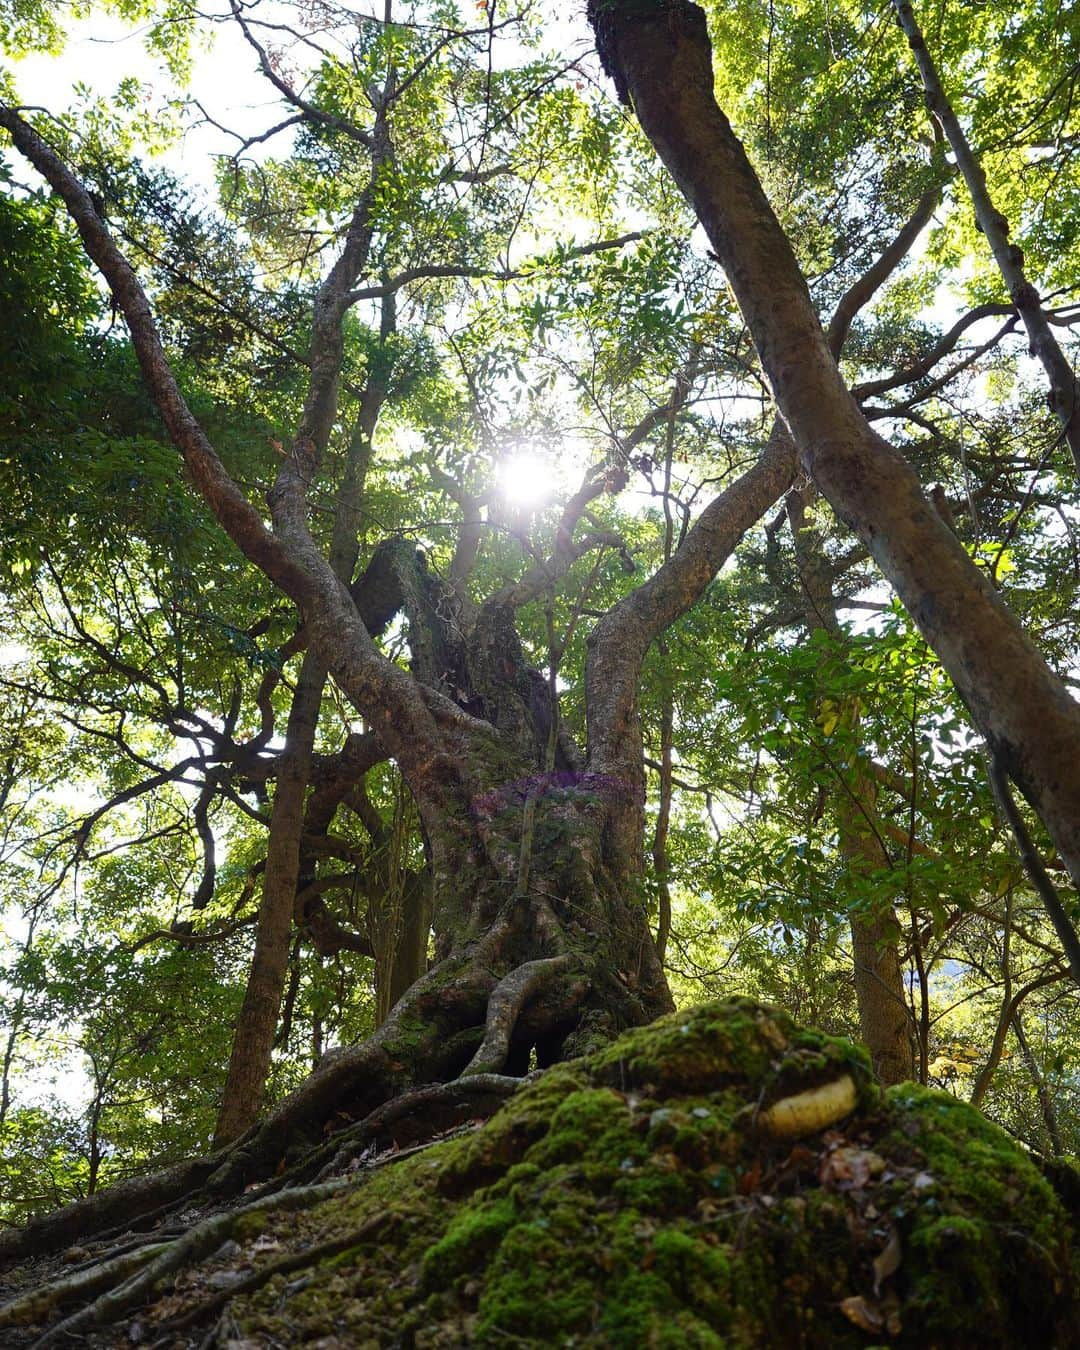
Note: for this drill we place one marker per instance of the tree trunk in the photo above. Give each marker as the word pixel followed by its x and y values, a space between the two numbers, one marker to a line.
pixel 884 1020
pixel 405 957
pixel 249 1062
pixel 1008 256
pixel 1046 1100
pixel 660 58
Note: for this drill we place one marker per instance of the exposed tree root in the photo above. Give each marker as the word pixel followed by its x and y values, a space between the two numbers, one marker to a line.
pixel 504 1007
pixel 198 1242
pixel 414 1044
pixel 127 1200
pixel 86 1282
pixel 459 1018
pixel 480 1095
pixel 310 1256
pixel 126 1279
pixel 466 1019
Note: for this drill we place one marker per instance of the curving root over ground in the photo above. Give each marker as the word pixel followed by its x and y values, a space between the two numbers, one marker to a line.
pixel 719 1179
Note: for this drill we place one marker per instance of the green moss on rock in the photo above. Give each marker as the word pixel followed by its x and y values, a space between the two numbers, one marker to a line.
pixel 629 1199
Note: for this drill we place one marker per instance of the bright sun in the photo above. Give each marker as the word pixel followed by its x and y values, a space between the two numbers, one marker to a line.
pixel 525 479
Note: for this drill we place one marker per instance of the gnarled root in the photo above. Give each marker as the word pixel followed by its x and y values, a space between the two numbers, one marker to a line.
pixel 125 1201
pixel 504 1007
pixel 460 1016
pixel 198 1242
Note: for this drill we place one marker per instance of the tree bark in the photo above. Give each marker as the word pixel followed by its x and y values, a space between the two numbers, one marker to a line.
pixel 884 1020
pixel 407 956
pixel 249 1062
pixel 1046 1099
pixel 253 1041
pixel 660 57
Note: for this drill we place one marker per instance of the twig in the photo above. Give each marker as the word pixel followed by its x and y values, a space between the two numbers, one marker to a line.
pixel 1033 865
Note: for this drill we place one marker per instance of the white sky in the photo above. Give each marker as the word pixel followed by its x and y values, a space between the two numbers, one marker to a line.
pixel 103 50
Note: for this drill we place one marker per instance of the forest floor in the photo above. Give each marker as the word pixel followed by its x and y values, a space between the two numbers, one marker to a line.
pixel 722 1178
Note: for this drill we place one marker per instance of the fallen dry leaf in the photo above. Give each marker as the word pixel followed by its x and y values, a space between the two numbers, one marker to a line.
pixel 887 1261
pixel 849 1169
pixel 867 1316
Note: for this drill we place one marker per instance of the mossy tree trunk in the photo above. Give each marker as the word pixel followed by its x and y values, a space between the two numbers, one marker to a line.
pixel 535 846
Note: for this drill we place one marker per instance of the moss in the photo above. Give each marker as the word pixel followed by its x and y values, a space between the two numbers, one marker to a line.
pixel 982 1227
pixel 472 1235
pixel 627 1199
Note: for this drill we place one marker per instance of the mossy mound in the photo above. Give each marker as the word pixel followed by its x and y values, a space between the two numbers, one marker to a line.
pixel 647 1196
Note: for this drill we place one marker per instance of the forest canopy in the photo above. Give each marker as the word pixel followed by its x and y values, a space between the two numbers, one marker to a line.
pixel 453 609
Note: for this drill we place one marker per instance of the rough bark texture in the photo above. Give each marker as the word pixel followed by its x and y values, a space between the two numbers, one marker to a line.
pixel 660 58
pixel 884 1019
pixel 249 1062
pixel 620 640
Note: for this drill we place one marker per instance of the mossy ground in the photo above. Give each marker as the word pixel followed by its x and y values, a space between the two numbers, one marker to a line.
pixel 628 1199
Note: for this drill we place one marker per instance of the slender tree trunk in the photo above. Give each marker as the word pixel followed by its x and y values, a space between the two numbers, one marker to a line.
pixel 403 957
pixel 884 1019
pixel 253 1042
pixel 660 57
pixel 1046 1099
pixel 1008 256
pixel 1008 1008
pixel 661 863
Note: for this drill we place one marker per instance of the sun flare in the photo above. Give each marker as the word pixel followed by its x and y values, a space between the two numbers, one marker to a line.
pixel 525 479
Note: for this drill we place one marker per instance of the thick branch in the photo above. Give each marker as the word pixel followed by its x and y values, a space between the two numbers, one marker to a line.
pixel 661 56
pixel 433 271
pixel 875 276
pixel 240 520
pixel 618 643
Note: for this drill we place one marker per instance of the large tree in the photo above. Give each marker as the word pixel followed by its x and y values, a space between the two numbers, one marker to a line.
pixel 529 797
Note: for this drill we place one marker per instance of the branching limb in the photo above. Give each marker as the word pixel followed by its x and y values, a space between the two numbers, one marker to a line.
pixel 239 518
pixel 1033 865
pixel 309 110
pixel 863 290
pixel 926 363
pixel 433 271
pixel 618 644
